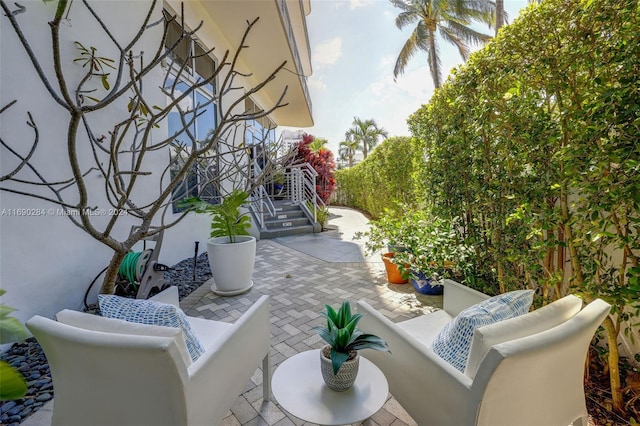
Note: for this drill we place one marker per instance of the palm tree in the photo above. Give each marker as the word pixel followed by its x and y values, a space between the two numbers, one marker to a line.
pixel 318 144
pixel 500 15
pixel 448 19
pixel 348 148
pixel 366 134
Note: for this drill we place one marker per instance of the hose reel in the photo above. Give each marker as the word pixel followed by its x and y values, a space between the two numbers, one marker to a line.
pixel 142 270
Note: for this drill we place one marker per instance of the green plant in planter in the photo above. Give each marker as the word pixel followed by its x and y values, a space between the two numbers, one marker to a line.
pixel 433 247
pixel 322 214
pixel 279 178
pixel 12 384
pixel 386 230
pixel 226 219
pixel 343 336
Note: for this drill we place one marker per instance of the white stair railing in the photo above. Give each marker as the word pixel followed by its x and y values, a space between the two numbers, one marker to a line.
pixel 300 188
pixel 302 180
pixel 260 202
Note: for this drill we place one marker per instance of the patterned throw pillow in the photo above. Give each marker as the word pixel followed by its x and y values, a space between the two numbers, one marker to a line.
pixel 454 341
pixel 151 313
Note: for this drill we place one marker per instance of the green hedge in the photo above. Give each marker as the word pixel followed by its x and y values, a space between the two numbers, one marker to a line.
pixel 534 143
pixel 383 181
pixel 533 146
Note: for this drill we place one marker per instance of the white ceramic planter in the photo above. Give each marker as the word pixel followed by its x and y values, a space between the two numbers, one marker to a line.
pixel 231 264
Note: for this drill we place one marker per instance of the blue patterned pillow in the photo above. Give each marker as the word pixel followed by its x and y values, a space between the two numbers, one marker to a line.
pixel 151 313
pixel 454 341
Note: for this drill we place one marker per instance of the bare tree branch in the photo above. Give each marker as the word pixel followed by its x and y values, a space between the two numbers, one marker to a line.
pixel 121 155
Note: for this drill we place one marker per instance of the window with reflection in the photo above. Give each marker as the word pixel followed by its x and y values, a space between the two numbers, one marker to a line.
pixel 192 122
pixel 260 133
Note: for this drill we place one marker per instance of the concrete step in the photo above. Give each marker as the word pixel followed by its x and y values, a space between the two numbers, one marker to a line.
pixel 287 222
pixel 282 232
pixel 288 214
pixel 286 206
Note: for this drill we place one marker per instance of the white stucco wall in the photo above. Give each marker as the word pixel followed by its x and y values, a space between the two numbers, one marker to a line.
pixel 46 262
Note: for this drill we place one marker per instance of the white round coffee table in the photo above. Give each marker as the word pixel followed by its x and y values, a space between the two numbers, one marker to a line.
pixel 298 387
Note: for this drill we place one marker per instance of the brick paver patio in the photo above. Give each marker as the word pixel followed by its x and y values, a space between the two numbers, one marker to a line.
pixel 300 285
pixel 301 274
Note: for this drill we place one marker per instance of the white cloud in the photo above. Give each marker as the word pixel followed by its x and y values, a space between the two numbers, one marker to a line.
pixel 414 85
pixel 380 87
pixel 387 61
pixel 354 4
pixel 316 83
pixel 328 52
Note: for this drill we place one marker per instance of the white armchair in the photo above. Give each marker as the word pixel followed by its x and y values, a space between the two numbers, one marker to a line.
pixel 113 372
pixel 522 371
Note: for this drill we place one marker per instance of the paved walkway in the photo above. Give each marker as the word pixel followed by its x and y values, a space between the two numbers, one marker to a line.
pixel 302 273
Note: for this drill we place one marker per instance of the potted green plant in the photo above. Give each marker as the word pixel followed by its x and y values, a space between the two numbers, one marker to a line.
pixel 396 231
pixel 278 182
pixel 322 214
pixel 339 359
pixel 434 253
pixel 12 383
pixel 386 231
pixel 230 248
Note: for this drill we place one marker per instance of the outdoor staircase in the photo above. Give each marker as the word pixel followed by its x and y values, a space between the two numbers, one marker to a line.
pixel 288 220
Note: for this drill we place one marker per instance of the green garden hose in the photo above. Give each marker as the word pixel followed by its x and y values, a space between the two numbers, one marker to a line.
pixel 133 266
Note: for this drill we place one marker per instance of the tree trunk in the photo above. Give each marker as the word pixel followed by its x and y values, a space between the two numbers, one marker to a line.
pixel 499 15
pixel 109 282
pixel 560 255
pixel 433 60
pixel 568 234
pixel 614 358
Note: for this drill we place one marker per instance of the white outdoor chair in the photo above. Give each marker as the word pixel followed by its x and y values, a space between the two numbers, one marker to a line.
pixel 522 371
pixel 112 372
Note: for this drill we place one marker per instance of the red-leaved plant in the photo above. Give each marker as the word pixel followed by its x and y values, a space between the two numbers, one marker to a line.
pixel 322 162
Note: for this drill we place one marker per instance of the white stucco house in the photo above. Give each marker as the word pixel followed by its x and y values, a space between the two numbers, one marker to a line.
pixel 46 262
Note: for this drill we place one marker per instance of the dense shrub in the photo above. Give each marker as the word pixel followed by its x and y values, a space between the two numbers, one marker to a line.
pixel 383 181
pixel 534 145
pixel 545 152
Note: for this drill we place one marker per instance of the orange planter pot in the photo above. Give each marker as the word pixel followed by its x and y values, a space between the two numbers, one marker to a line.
pixel 393 273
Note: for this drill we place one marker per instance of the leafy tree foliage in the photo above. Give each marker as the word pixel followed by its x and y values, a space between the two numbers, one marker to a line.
pixel 347 149
pixel 318 144
pixel 437 20
pixel 540 161
pixel 366 133
pixel 322 162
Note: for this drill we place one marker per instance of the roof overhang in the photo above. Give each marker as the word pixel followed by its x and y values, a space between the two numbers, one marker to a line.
pixel 268 47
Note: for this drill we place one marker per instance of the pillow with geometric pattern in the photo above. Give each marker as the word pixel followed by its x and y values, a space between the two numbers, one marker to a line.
pixel 152 313
pixel 454 341
pixel 544 318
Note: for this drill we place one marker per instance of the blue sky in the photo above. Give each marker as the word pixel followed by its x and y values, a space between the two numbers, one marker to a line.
pixel 354 45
